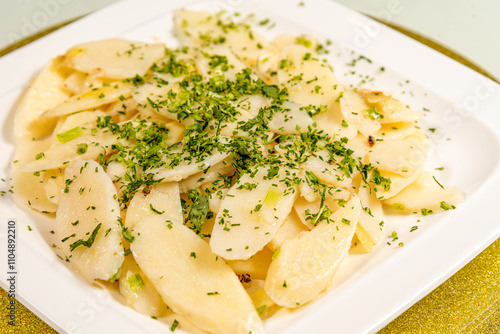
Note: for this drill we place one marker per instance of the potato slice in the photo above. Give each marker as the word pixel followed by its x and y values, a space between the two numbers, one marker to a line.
pixel 138 290
pixel 163 199
pixel 75 125
pixel 192 280
pixel 256 266
pixel 187 167
pixel 91 99
pixel 328 173
pixel 400 156
pixel 197 180
pixel 426 194
pixel 396 130
pixel 293 121
pixel 53 183
pixel 398 183
pixel 29 187
pixel 201 28
pixel 369 230
pixel 292 226
pixel 249 217
pixel 355 111
pixel 264 305
pixel 306 264
pixel 113 58
pixel 61 155
pixel 45 92
pixel 305 209
pixel 87 228
pixel 391 109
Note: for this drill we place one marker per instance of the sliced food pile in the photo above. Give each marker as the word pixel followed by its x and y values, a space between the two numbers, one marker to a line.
pixel 189 176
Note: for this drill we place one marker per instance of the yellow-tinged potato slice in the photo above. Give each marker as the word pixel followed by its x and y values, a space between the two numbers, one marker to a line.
pixel 153 95
pixel 192 280
pixel 213 173
pixel 369 230
pixel 400 156
pixel 91 99
pixel 76 125
pixel 202 28
pixel 308 211
pixel 83 147
pixel 75 83
pixel 87 230
pixel 186 167
pixel 327 172
pixel 253 268
pixel 308 79
pixel 210 61
pixel 396 130
pixel 292 226
pixel 251 213
pixel 391 109
pixel 306 264
pixel 45 92
pixel 53 183
pixel 334 123
pixel 113 58
pixel 426 193
pixel 29 187
pixel 397 183
pixel 357 112
pixel 264 305
pixel 293 119
pixel 138 290
pixel 122 111
pixel 162 199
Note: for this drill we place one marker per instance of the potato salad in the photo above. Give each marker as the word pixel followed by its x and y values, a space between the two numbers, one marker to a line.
pixel 222 179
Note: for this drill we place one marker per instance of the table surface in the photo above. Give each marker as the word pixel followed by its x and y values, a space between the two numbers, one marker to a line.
pixel 470 300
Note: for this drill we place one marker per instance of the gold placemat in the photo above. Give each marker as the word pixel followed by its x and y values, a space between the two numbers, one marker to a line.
pixel 468 302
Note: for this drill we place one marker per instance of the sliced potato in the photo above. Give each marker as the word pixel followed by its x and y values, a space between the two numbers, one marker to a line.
pixel 400 156
pixel 29 186
pixel 91 99
pixel 391 109
pixel 397 184
pixel 187 167
pixel 255 267
pixel 53 183
pixel 355 111
pixel 251 213
pixel 327 172
pixel 45 92
pixel 264 305
pixel 306 264
pixel 213 173
pixel 307 211
pixel 113 58
pixel 162 199
pixel 61 155
pixel 370 229
pixel 396 130
pixel 292 226
pixel 138 290
pixel 292 120
pixel 425 193
pixel 192 280
pixel 87 228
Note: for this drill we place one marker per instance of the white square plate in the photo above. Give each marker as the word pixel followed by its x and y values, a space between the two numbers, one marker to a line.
pixel 369 289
